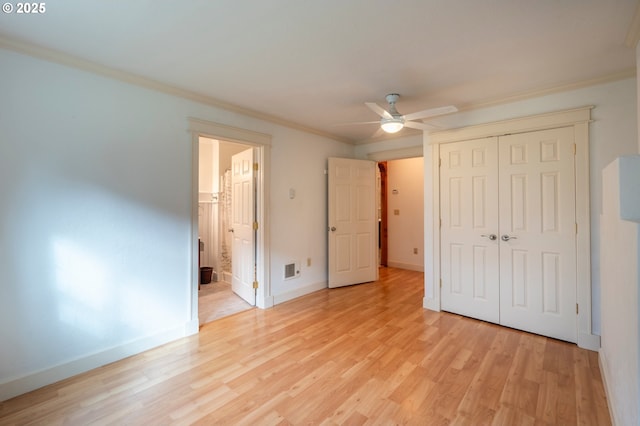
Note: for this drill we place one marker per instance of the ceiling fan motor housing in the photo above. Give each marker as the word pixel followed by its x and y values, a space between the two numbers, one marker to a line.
pixel 392 98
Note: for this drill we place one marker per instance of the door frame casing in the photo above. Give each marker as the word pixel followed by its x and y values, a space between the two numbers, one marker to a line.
pixel 261 142
pixel 382 232
pixel 579 119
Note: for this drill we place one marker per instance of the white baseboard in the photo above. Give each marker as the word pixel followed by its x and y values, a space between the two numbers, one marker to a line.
pixel 589 341
pixel 51 375
pixel 265 302
pixel 408 266
pixel 602 361
pixel 280 298
pixel 431 304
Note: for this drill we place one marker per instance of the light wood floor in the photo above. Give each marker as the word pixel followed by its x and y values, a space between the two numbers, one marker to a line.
pixel 366 354
pixel 216 300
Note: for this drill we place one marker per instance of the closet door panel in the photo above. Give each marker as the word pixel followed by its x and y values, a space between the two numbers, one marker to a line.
pixel 469 213
pixel 537 230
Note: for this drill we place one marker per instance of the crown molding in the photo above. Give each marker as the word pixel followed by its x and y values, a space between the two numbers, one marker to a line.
pixel 137 80
pixel 621 75
pixel 93 67
pixel 530 123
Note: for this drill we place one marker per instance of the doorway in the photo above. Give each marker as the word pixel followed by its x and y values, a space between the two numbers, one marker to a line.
pixel 401 213
pixel 260 144
pixel 216 297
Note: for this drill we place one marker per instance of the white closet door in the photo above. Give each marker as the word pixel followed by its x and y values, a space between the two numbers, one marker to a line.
pixel 469 228
pixel 537 218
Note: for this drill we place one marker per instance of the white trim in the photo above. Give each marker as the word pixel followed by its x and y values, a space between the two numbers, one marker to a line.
pixel 516 125
pixel 262 143
pixel 138 80
pixel 616 76
pixel 228 133
pixel 604 373
pixel 298 292
pixel 95 68
pixel 586 339
pixel 431 298
pixel 396 154
pixel 59 372
pixel 577 118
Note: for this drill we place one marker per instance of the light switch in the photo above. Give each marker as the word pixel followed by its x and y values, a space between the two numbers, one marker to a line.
pixel 396 212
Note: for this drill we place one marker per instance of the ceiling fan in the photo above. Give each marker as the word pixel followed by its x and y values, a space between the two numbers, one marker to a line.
pixel 392 121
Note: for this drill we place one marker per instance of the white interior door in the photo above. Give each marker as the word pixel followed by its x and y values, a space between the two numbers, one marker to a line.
pixel 242 223
pixel 469 203
pixel 353 228
pixel 537 220
pixel 508 231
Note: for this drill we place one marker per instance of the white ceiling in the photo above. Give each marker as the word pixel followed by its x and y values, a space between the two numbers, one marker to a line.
pixel 315 63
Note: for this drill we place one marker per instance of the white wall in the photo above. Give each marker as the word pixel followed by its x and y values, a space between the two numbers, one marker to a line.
pixel 620 267
pixel 405 194
pixel 300 165
pixel 95 212
pixel 620 352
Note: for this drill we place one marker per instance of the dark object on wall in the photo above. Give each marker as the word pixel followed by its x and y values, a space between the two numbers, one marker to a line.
pixel 205 274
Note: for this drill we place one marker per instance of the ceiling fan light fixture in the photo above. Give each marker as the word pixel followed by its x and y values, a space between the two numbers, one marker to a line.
pixel 392 125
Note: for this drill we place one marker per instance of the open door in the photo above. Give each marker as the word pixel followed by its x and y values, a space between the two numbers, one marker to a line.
pixel 243 229
pixel 353 236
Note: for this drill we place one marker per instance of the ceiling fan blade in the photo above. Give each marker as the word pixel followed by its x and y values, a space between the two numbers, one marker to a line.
pixel 378 110
pixel 419 126
pixel 431 112
pixel 378 133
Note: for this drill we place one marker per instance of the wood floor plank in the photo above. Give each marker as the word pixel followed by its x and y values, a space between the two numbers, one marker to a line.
pixel 368 354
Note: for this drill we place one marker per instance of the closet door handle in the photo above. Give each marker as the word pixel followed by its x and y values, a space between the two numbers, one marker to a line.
pixel 492 237
pixel 230 230
pixel 506 237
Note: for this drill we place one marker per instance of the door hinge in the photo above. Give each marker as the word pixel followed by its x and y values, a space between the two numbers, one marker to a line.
pixel 440 222
pixel 577 310
pixel 255 284
pixel 255 226
pixel 576 228
pixel 575 149
pixel 439 162
pixel 255 166
pixel 440 282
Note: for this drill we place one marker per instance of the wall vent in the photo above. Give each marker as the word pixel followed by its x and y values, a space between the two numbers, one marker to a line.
pixel 291 270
